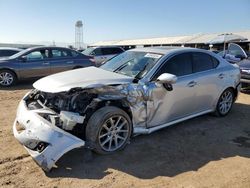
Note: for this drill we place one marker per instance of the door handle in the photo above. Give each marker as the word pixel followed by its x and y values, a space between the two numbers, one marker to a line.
pixel 191 84
pixel 221 76
pixel 46 63
pixel 70 62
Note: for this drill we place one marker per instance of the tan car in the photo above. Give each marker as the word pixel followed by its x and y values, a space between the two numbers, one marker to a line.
pixel 38 62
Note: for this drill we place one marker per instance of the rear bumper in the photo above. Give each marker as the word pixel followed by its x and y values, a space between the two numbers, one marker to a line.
pixel 45 142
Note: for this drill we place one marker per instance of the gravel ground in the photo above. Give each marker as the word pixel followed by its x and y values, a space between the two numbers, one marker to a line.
pixel 203 152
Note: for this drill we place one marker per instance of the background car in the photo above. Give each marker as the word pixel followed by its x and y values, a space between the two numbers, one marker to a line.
pixel 245 73
pixel 38 62
pixel 102 54
pixel 6 52
pixel 235 54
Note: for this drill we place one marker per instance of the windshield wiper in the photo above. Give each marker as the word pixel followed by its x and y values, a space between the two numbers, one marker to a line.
pixel 121 67
pixel 139 75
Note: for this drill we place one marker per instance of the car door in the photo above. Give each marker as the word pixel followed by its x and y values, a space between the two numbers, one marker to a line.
pixel 235 53
pixel 61 60
pixel 34 64
pixel 209 78
pixel 165 106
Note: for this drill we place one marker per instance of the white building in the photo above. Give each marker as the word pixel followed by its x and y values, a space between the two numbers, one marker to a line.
pixel 196 40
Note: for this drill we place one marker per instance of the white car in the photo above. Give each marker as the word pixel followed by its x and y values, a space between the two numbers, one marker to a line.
pixel 102 53
pixel 137 92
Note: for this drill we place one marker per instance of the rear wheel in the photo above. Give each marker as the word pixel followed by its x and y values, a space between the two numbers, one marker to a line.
pixel 225 102
pixel 109 129
pixel 7 78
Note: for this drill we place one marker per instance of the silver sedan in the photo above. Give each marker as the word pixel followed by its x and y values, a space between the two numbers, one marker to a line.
pixel 137 92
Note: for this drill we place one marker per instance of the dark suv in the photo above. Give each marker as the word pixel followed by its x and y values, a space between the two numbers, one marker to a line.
pixel 38 62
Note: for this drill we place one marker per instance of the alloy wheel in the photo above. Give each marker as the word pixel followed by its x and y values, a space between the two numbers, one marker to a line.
pixel 226 102
pixel 113 133
pixel 6 79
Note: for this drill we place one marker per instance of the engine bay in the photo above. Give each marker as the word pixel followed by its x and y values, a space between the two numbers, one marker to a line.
pixel 66 110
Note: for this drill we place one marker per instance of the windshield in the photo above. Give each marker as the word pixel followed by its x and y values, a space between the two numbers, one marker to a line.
pixel 235 49
pixel 132 63
pixel 88 51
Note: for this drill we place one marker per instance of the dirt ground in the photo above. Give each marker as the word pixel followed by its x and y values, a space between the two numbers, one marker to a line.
pixel 203 152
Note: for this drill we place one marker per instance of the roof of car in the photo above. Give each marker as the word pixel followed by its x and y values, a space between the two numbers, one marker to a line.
pixel 107 47
pixel 9 48
pixel 165 50
pixel 47 47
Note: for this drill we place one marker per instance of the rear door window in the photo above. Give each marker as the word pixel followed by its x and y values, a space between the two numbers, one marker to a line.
pixel 75 54
pixel 60 53
pixel 97 52
pixel 107 51
pixel 116 50
pixel 38 55
pixel 203 62
pixel 111 51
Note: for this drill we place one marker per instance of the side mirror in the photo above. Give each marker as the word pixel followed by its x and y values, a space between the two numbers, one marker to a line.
pixel 166 78
pixel 23 58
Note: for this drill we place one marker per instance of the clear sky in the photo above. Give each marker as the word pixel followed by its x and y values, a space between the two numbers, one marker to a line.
pixel 48 20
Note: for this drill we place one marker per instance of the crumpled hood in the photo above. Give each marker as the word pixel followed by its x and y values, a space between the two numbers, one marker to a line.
pixel 84 78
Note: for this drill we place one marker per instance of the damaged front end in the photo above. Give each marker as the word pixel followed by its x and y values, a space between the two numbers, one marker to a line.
pixel 37 129
pixel 51 124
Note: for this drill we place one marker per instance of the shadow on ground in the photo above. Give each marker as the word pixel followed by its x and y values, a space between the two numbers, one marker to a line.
pixel 185 147
pixel 246 91
pixel 21 85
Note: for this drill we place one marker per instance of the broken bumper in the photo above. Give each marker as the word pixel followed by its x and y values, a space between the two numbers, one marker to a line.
pixel 45 142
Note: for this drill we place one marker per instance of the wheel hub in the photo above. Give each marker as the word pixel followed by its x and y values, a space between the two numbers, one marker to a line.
pixel 226 102
pixel 6 78
pixel 114 133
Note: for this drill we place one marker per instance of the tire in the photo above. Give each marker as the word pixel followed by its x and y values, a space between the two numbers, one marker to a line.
pixel 225 103
pixel 108 130
pixel 7 78
pixel 77 67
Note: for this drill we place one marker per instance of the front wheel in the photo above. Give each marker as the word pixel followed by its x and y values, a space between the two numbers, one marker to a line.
pixel 225 103
pixel 109 129
pixel 7 78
